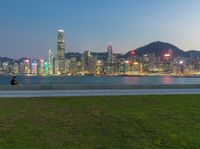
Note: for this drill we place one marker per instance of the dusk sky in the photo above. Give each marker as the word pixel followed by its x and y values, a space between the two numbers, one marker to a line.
pixel 29 27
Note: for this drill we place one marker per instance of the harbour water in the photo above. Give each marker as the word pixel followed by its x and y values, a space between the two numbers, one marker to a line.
pixel 119 80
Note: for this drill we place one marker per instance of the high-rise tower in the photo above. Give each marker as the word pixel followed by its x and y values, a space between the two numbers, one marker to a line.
pixel 61 61
pixel 50 62
pixel 110 60
pixel 110 56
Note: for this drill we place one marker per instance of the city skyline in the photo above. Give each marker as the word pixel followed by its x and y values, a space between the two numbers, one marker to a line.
pixel 29 28
pixel 157 58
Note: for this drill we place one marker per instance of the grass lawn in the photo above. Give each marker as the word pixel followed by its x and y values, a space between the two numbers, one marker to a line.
pixel 134 122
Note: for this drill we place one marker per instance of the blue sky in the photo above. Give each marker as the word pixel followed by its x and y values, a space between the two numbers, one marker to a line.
pixel 29 27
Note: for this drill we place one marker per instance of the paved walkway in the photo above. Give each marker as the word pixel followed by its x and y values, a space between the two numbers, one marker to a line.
pixel 95 92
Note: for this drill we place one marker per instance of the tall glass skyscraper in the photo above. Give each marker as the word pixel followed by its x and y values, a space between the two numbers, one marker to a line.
pixel 50 62
pixel 61 61
pixel 110 56
pixel 110 60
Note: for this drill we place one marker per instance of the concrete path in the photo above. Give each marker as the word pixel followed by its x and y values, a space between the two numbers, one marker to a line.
pixel 95 92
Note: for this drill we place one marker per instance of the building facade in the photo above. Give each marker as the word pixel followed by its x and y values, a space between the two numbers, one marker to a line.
pixel 60 59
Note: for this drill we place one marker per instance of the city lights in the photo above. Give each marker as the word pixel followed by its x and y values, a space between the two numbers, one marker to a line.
pixel 109 63
pixel 167 55
pixel 133 52
pixel 181 62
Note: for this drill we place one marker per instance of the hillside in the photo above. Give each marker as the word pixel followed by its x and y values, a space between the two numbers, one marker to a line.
pixel 5 59
pixel 159 48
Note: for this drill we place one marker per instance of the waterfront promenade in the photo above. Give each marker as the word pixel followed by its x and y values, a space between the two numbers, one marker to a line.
pixel 95 92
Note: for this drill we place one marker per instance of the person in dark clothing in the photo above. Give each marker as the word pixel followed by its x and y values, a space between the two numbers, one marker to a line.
pixel 14 81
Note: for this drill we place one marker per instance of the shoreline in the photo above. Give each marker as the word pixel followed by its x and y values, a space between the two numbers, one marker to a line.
pixel 145 75
pixel 96 86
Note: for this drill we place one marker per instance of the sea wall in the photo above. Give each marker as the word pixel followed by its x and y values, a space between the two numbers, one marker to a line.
pixel 94 86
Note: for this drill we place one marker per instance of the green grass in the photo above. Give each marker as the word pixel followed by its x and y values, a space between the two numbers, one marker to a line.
pixel 134 122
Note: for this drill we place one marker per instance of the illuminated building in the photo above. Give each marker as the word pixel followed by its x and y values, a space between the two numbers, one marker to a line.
pixel 21 68
pixel 99 67
pixel 110 60
pixel 134 67
pixel 73 66
pixel 79 68
pixel 15 68
pixel 134 62
pixel 150 64
pixel 41 67
pixel 26 63
pixel 145 64
pixel 34 67
pixel 5 67
pixel 46 67
pixel 178 67
pixel 50 62
pixel 110 56
pixel 88 63
pixel 124 67
pixel 1 67
pixel 198 65
pixel 60 59
pixel 168 62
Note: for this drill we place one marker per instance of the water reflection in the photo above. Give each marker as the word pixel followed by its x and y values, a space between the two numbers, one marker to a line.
pixel 62 80
pixel 131 80
pixel 166 80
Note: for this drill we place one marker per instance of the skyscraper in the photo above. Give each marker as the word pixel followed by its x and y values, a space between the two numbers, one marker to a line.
pixel 41 67
pixel 50 62
pixel 61 61
pixel 88 62
pixel 110 56
pixel 34 67
pixel 26 66
pixel 110 60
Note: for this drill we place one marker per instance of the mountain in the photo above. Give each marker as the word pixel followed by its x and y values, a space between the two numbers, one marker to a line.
pixel 159 48
pixel 194 53
pixel 10 60
pixel 6 59
pixel 21 60
pixel 73 54
pixel 100 55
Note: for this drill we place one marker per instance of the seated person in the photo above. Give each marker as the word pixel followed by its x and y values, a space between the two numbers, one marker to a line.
pixel 14 81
